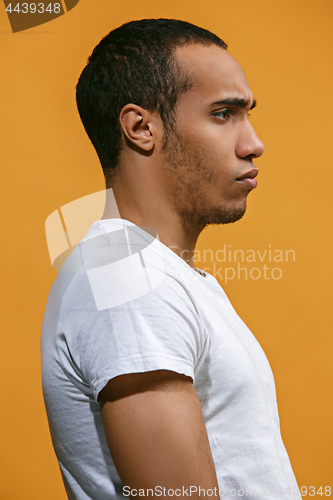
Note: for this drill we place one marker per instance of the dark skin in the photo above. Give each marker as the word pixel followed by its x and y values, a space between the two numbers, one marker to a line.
pixel 154 428
pixel 153 421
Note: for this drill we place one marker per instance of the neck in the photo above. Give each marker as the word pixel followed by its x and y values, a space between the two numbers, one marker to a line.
pixel 181 238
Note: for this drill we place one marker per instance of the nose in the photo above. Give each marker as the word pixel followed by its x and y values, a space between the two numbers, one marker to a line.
pixel 249 143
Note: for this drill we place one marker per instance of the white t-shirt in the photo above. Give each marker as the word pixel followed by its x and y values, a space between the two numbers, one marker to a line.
pixel 125 303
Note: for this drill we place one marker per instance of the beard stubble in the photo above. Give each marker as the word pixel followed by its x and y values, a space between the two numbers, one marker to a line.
pixel 189 170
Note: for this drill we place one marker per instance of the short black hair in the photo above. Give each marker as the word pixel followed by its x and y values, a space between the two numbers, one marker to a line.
pixel 134 63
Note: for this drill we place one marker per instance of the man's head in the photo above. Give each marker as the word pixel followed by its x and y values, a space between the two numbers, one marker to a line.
pixel 210 154
pixel 135 63
pixel 164 101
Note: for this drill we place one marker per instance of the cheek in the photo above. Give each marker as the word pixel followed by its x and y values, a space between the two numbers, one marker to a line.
pixel 216 142
pixel 207 146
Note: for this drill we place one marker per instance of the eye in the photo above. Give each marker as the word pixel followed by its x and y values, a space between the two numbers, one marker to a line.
pixel 224 114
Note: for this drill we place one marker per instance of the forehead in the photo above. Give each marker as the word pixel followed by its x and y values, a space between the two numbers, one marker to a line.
pixel 215 74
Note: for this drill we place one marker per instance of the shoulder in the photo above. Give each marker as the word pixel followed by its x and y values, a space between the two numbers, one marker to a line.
pixel 115 267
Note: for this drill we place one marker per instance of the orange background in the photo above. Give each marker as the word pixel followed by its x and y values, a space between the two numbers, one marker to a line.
pixel 285 47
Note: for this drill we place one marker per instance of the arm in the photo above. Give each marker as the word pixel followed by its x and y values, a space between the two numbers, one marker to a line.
pixel 156 432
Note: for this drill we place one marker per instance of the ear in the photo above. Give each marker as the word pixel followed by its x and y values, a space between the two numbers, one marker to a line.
pixel 137 126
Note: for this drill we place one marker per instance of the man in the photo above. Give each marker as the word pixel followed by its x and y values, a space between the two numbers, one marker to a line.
pixel 152 383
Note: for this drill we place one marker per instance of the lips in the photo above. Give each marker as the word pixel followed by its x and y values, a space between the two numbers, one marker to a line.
pixel 248 179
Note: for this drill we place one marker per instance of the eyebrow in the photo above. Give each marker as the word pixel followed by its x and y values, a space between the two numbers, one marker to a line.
pixel 235 101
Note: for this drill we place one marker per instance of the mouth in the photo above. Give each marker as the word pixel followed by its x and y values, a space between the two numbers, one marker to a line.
pixel 248 180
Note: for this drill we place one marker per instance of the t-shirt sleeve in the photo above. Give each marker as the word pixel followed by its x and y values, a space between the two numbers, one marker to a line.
pixel 159 330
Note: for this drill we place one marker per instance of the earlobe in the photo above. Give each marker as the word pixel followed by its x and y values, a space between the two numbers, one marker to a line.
pixel 134 122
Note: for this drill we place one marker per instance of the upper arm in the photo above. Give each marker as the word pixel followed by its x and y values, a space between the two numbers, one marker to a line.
pixel 156 432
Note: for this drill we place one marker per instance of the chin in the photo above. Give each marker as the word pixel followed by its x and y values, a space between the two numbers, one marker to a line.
pixel 227 216
pixel 217 215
